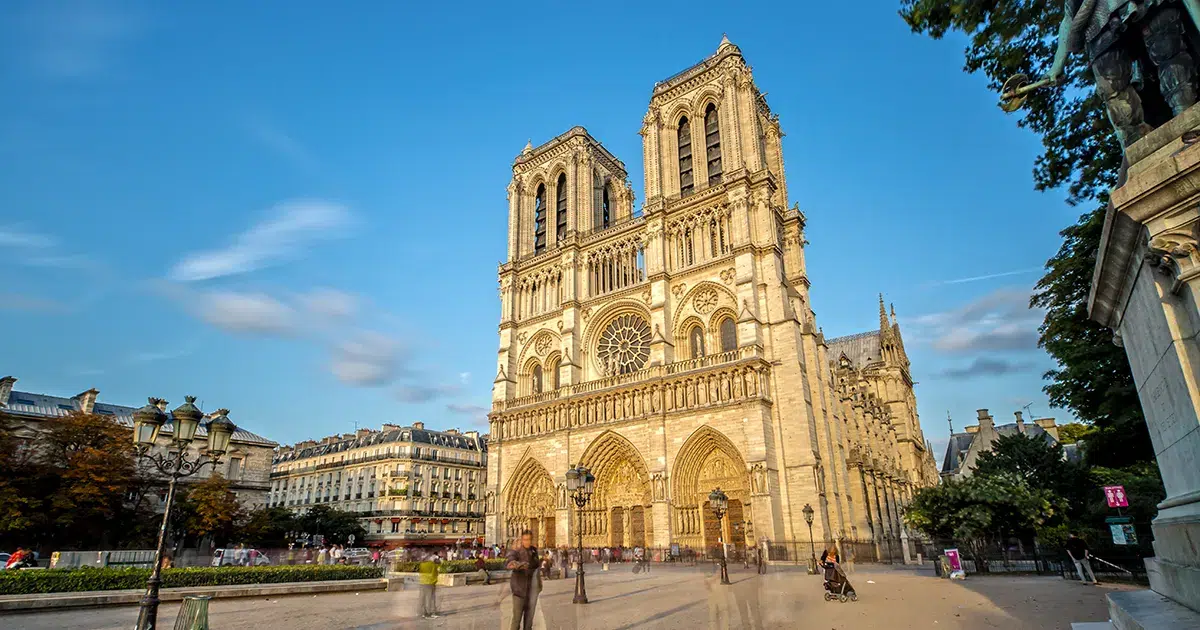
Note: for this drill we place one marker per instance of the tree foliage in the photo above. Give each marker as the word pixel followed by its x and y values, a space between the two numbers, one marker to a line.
pixel 981 508
pixel 1073 432
pixel 215 510
pixel 1080 152
pixel 335 525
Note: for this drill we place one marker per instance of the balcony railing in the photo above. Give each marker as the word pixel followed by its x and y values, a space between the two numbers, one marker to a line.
pixel 656 371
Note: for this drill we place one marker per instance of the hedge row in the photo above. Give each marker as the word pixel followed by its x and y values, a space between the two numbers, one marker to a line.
pixel 452 566
pixel 107 579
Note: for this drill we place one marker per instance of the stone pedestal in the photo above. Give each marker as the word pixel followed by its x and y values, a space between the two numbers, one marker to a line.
pixel 1146 288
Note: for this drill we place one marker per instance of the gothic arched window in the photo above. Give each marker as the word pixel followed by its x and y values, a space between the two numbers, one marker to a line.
pixel 696 341
pixel 552 368
pixel 560 231
pixel 686 185
pixel 535 380
pixel 728 335
pixel 712 144
pixel 605 205
pixel 539 220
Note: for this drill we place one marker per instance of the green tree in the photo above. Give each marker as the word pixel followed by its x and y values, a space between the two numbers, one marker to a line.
pixel 1080 152
pixel 20 505
pixel 1073 432
pixel 268 527
pixel 216 511
pixel 335 525
pixel 89 476
pixel 1040 464
pixel 980 511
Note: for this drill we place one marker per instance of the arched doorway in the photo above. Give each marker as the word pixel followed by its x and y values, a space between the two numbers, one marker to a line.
pixel 616 516
pixel 708 460
pixel 529 504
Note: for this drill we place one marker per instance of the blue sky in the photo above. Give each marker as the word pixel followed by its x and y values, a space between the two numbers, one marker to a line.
pixel 296 211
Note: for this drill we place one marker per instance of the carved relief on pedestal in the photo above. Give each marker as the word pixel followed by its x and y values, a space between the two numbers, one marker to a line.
pixel 1175 254
pixel 658 487
pixel 489 502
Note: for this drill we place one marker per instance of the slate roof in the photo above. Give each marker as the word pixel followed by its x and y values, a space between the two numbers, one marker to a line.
pixel 404 435
pixel 862 349
pixel 45 406
pixel 960 443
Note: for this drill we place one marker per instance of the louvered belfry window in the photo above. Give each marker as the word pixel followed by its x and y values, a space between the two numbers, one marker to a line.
pixel 712 144
pixel 560 225
pixel 539 220
pixel 686 185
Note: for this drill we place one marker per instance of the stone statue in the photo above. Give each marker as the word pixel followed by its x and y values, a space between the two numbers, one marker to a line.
pixel 1127 40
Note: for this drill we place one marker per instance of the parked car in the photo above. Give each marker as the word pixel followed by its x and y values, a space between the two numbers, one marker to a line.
pixel 230 558
pixel 357 555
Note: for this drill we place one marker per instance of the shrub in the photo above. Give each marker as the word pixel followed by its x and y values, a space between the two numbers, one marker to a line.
pixel 107 579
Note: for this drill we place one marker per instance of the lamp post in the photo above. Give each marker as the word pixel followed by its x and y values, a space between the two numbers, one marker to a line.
pixel 580 483
pixel 720 505
pixel 147 422
pixel 812 561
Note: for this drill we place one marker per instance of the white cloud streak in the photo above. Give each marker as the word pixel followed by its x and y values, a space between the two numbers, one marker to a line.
pixel 369 360
pixel 77 40
pixel 251 313
pixel 990 276
pixel 290 227
pixel 999 321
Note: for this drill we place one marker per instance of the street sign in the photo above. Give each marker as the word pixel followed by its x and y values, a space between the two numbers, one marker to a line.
pixel 1123 533
pixel 1116 496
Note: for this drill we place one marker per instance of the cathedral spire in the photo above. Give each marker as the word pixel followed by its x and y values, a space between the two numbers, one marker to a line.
pixel 883 318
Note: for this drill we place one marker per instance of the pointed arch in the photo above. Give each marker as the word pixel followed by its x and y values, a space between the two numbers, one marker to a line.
pixel 683 144
pixel 607 457
pixel 703 448
pixel 560 207
pixel 530 500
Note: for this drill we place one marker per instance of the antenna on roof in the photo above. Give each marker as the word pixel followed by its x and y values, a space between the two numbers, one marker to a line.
pixel 1028 410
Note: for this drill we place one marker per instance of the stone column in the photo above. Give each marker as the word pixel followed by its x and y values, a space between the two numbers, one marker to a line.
pixel 1146 288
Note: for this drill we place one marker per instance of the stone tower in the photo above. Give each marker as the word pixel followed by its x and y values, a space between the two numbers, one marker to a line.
pixel 673 350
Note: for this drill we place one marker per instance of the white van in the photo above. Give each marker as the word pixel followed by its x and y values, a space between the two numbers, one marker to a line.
pixel 230 558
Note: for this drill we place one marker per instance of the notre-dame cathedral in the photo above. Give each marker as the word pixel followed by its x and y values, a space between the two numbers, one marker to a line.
pixel 674 350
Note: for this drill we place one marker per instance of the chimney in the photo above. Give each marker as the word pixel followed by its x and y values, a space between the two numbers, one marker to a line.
pixel 390 427
pixel 973 428
pixel 451 431
pixel 161 404
pixel 348 436
pixel 474 435
pixel 1020 422
pixel 361 433
pixel 986 424
pixel 87 400
pixel 1048 426
pixel 6 385
pixel 418 425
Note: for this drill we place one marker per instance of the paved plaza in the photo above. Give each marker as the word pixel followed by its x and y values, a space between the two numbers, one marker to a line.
pixel 669 597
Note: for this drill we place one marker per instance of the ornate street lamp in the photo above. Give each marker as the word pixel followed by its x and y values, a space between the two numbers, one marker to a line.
pixel 812 561
pixel 580 483
pixel 720 505
pixel 147 423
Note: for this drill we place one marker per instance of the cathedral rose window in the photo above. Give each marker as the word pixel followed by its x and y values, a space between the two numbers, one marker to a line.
pixel 625 345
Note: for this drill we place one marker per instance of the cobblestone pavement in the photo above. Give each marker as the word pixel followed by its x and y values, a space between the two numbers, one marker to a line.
pixel 669 597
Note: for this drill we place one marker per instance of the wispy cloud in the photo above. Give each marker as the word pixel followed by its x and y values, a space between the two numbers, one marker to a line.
pixel 985 366
pixel 423 393
pixel 330 304
pixel 282 144
pixel 155 356
pixel 78 39
pixel 290 226
pixel 369 360
pixel 30 304
pixel 990 276
pixel 21 239
pixel 255 313
pixel 999 321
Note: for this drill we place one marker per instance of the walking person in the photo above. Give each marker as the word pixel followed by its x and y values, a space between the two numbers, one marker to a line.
pixel 525 585
pixel 1082 557
pixel 760 561
pixel 429 579
pixel 481 569
pixel 322 554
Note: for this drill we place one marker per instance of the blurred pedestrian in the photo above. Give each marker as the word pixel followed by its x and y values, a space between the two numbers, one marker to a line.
pixel 1079 553
pixel 429 579
pixel 524 583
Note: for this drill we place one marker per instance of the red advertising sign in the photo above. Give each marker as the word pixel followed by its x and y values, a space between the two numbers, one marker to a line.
pixel 1116 496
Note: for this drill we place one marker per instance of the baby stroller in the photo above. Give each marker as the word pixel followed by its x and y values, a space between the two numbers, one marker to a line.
pixel 836 585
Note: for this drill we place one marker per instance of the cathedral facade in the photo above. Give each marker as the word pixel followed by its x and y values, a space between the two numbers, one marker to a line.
pixel 673 350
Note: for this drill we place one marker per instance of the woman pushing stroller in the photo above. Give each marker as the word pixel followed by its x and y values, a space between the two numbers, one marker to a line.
pixel 837 586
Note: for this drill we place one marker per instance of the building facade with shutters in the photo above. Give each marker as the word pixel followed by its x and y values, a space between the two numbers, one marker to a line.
pixel 410 486
pixel 673 350
pixel 247 465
